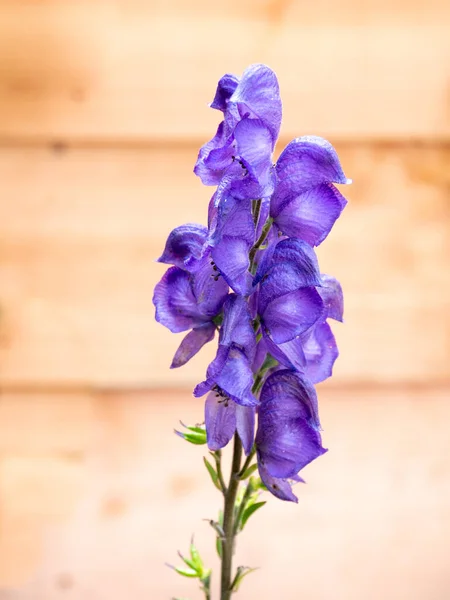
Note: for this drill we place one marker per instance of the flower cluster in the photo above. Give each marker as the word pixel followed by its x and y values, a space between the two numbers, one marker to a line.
pixel 252 276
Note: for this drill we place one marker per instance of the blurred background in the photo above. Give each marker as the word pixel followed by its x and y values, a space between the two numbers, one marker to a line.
pixel 103 106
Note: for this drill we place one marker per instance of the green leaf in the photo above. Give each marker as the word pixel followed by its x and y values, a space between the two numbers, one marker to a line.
pixel 240 574
pixel 186 571
pixel 251 469
pixel 190 563
pixel 195 556
pixel 213 473
pixel 194 438
pixel 194 428
pixel 219 547
pixel 249 511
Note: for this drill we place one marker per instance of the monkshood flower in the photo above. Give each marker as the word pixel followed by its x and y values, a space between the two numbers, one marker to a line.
pixel 191 294
pixel 245 139
pixel 305 203
pixel 252 275
pixel 288 435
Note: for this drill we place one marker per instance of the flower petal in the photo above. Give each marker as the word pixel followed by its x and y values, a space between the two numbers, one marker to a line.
pixel 236 378
pixel 309 214
pixel 309 161
pixel 192 343
pixel 233 237
pixel 184 246
pixel 214 157
pixel 176 305
pixel 290 354
pixel 280 488
pixel 245 425
pixel 237 326
pixel 292 314
pixel 321 352
pixel 258 96
pixel 220 421
pixel 230 371
pixel 332 296
pixel 287 438
pixel 231 258
pixel 254 147
pixel 225 88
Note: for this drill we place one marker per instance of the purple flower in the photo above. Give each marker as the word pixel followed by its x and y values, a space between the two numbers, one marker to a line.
pixel 190 295
pixel 245 139
pixel 305 203
pixel 230 373
pixel 288 303
pixel 288 435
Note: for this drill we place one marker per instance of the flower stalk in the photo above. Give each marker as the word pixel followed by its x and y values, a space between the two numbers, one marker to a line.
pixel 252 278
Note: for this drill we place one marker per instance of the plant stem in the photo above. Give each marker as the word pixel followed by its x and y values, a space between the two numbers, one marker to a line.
pixel 256 210
pixel 248 460
pixel 246 496
pixel 259 242
pixel 228 521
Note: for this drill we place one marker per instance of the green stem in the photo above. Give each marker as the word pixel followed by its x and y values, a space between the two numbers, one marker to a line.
pixel 256 210
pixel 260 241
pixel 228 521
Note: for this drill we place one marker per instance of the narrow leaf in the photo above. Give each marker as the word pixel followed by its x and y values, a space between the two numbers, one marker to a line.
pixel 190 563
pixel 251 469
pixel 196 560
pixel 194 437
pixel 240 574
pixel 219 547
pixel 213 473
pixel 249 511
pixel 186 572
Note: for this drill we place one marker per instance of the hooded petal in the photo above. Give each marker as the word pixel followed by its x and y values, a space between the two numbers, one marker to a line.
pixel 225 88
pixel 245 425
pixel 308 214
pixel 258 96
pixel 297 254
pixel 237 326
pixel 332 297
pixel 176 305
pixel 220 421
pixel 286 440
pixel 290 315
pixel 192 343
pixel 321 352
pixel 184 246
pixel 280 488
pixel 307 162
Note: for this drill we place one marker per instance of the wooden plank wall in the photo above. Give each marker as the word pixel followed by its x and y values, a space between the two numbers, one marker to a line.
pixel 103 106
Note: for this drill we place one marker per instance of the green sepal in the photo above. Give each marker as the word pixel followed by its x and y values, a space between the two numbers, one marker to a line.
pixel 249 511
pixel 251 469
pixel 213 473
pixel 195 434
pixel 185 571
pixel 240 574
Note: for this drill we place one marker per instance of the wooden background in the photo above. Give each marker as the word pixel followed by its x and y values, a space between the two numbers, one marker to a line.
pixel 103 106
